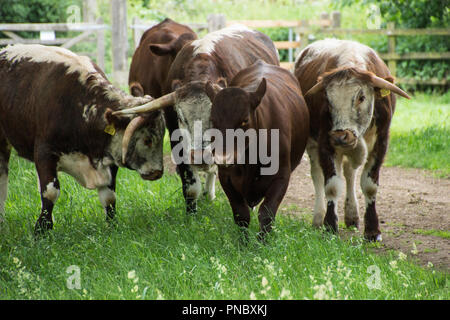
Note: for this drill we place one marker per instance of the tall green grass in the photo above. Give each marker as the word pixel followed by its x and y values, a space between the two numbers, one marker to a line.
pixel 155 251
pixel 420 133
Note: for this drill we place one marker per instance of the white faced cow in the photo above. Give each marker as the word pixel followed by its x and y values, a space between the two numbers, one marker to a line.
pixel 350 94
pixel 56 110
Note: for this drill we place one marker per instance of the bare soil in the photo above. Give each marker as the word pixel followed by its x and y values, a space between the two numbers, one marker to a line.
pixel 408 202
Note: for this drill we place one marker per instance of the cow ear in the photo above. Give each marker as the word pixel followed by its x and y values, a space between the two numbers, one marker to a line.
pixel 136 89
pixel 161 49
pixel 222 82
pixel 256 97
pixel 173 47
pixel 176 84
pixel 115 121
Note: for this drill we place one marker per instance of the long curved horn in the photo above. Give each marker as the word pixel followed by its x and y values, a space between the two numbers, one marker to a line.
pixel 316 88
pixel 384 84
pixel 162 102
pixel 134 124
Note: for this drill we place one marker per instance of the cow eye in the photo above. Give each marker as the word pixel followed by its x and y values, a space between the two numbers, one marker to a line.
pixel 361 99
pixel 244 123
pixel 148 142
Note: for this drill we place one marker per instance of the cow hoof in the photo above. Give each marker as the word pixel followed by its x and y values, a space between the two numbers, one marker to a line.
pixel 331 226
pixel 191 207
pixel 42 226
pixel 352 222
pixel 373 237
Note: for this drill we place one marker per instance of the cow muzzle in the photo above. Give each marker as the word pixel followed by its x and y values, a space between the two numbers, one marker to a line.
pixel 344 139
pixel 153 175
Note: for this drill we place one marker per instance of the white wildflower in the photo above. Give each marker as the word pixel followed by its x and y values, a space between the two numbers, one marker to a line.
pixel 132 274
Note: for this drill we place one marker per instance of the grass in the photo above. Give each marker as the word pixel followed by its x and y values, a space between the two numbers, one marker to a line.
pixel 155 251
pixel 420 133
pixel 432 232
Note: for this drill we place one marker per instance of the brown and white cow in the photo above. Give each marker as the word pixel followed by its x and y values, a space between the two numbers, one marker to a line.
pixel 261 99
pixel 148 71
pixel 56 110
pixel 350 94
pixel 217 57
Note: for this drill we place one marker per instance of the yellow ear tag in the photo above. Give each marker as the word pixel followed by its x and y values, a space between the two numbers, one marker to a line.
pixel 109 129
pixel 385 92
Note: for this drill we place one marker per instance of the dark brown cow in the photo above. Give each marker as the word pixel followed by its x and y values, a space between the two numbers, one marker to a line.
pixel 261 97
pixel 217 57
pixel 350 94
pixel 56 110
pixel 148 71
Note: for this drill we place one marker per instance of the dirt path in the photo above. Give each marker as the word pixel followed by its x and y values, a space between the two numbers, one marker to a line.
pixel 408 201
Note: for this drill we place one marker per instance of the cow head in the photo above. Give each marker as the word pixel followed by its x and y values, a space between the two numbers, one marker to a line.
pixel 351 95
pixel 193 108
pixel 137 142
pixel 234 108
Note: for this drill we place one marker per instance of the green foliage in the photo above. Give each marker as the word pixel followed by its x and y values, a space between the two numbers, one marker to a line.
pixel 413 14
pixel 420 133
pixel 34 11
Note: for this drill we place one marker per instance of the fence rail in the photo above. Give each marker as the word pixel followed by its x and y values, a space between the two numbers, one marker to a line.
pixel 47 35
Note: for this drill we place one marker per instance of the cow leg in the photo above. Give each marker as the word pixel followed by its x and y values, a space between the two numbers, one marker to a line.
pixel 333 189
pixel 272 199
pixel 5 152
pixel 49 187
pixel 191 186
pixel 353 160
pixel 369 186
pixel 317 177
pixel 210 185
pixel 351 215
pixel 239 206
pixel 107 195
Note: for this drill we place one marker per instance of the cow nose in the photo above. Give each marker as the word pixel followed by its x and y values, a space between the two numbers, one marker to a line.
pixel 154 175
pixel 343 138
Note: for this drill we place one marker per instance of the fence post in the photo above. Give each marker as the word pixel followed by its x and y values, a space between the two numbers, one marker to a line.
pixel 392 64
pixel 303 37
pixel 216 22
pixel 336 19
pixel 101 46
pixel 137 33
pixel 119 41
pixel 89 10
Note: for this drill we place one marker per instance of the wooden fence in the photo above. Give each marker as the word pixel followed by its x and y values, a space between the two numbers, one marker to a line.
pixel 300 31
pixel 47 35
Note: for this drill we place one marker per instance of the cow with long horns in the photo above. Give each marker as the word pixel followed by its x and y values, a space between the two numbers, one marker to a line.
pixel 57 110
pixel 351 97
pixel 217 57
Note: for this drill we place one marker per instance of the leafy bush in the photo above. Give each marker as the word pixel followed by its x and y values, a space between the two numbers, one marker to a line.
pixel 34 11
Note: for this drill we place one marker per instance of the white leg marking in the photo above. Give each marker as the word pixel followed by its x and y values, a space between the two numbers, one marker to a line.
pixel 193 190
pixel 351 214
pixel 106 196
pixel 318 181
pixel 211 184
pixel 368 186
pixel 51 192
